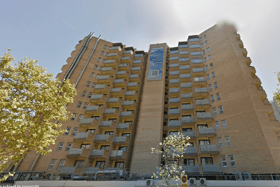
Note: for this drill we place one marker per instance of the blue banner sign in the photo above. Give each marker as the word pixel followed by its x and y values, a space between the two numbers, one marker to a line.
pixel 155 65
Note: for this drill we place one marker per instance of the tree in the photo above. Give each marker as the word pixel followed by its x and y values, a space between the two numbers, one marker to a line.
pixel 172 150
pixel 276 95
pixel 32 103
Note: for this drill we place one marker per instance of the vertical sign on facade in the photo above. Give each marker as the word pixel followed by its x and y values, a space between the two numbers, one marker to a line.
pixel 155 65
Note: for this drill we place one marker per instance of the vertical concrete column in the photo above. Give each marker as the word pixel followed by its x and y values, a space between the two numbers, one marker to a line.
pixel 150 123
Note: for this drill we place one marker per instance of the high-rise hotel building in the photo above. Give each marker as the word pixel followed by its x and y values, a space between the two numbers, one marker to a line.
pixel 128 100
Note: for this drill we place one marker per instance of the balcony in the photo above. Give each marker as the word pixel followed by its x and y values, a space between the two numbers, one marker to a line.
pixel 116 92
pixel 174 67
pixel 83 137
pixel 184 78
pixel 174 83
pixel 197 53
pixel 124 67
pixel 128 115
pixel 115 49
pixel 174 92
pixel 98 154
pixel 122 75
pixel 174 59
pixel 174 124
pixel 89 123
pixel 101 89
pixel 134 78
pixel 107 124
pixel 191 134
pixel 131 95
pixel 119 83
pixel 137 63
pixel 119 154
pixel 186 97
pixel 174 112
pixel 90 170
pixel 114 113
pixel 185 69
pixel 190 151
pixel 126 59
pixel 103 138
pixel 198 72
pixel 186 87
pixel 202 104
pixel 94 110
pixel 187 109
pixel 195 47
pixel 78 153
pixel 188 120
pixel 210 169
pixel 199 81
pixel 108 71
pixel 197 63
pixel 136 70
pixel 191 169
pixel 115 56
pixel 174 51
pixel 133 86
pixel 204 116
pixel 174 75
pixel 193 40
pixel 110 63
pixel 137 56
pixel 104 79
pixel 129 105
pixel 184 54
pixel 209 149
pixel 184 46
pixel 174 102
pixel 128 53
pixel 124 126
pixel 210 131
pixel 98 99
pixel 67 170
pixel 201 92
pixel 121 140
pixel 114 102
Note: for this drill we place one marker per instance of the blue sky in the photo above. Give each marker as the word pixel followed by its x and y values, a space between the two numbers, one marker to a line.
pixel 48 30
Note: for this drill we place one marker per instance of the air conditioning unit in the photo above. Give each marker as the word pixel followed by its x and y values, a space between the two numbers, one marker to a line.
pixel 238 176
pixel 149 182
pixel 192 181
pixel 202 181
pixel 247 175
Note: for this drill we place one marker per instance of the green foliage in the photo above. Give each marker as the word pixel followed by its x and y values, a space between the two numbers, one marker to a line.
pixel 31 100
pixel 276 95
pixel 171 151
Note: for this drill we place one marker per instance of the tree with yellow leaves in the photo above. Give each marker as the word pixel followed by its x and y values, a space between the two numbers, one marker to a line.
pixel 32 103
pixel 276 95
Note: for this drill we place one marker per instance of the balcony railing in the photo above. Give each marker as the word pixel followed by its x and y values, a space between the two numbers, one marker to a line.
pixel 174 65
pixel 102 137
pixel 136 61
pixel 200 90
pixel 174 58
pixel 116 81
pixel 186 95
pixel 88 121
pixel 128 103
pixel 211 168
pixel 116 90
pixel 185 67
pixel 188 119
pixel 185 76
pixel 138 55
pixel 132 84
pixel 117 154
pixel 135 68
pixel 174 100
pixel 184 59
pixel 105 124
pixel 90 170
pixel 111 54
pixel 108 61
pixel 186 85
pixel 194 46
pixel 187 107
pixel 202 102
pixel 174 111
pixel 128 52
pixel 126 114
pixel 174 124
pixel 199 79
pixel 194 40
pixel 174 52
pixel 174 81
pixel 123 125
pixel 115 48
pixel 174 90
pixel 196 61
pixel 191 134
pixel 103 77
pixel 208 149
pixel 110 111
pixel 133 76
pixel 198 70
pixel 196 53
pixel 204 115
pixel 174 73
pixel 190 151
pixel 83 136
pixel 98 153
pixel 103 69
pixel 183 46
pixel 130 93
pixel 125 58
pixel 206 131
pixel 184 52
pixel 191 169
pixel 112 100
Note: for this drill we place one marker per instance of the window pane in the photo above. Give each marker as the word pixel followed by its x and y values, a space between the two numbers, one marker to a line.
pixel 51 166
pixel 221 109
pixel 206 67
pixel 60 164
pixel 212 98
pixel 85 105
pixel 60 146
pixel 88 84
pixel 69 145
pixel 214 111
pixel 79 104
pixel 67 130
pixel 210 87
pixel 84 93
pixel 215 84
pixel 217 125
pixel 76 129
pixel 224 124
pixel 92 75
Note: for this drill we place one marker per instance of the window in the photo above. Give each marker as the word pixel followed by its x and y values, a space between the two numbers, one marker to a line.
pixel 217 125
pixel 227 141
pixel 79 104
pixel 84 93
pixel 214 111
pixel 206 67
pixel 90 94
pixel 173 132
pixel 105 147
pixel 81 116
pixel 98 60
pixel 212 98
pixel 93 85
pixel 109 132
pixel 200 39
pixel 60 146
pixel 204 142
pixel 126 134
pixel 67 131
pixel 73 117
pixel 119 164
pixel 206 42
pixel 124 148
pixel 102 53
pixel 189 162
pixel 60 164
pixel 68 146
pixel 96 66
pixel 231 160
pixel 211 65
pixel 85 146
pixel 88 84
pixel 220 141
pixel 224 124
pixel 203 51
pixel 100 164
pixel 210 86
pixel 207 160
pixel 218 96
pixel 224 162
pixel 208 49
pixel 205 60
pixel 221 109
pixel 51 166
pixel 92 75
pixel 213 74
pixel 74 132
pixel 208 76
pixel 79 163
pixel 85 105
pixel 204 35
pixel 215 85
pixel 95 117
pixel 92 131
pixel 209 57
pixel 105 46
pixel 202 45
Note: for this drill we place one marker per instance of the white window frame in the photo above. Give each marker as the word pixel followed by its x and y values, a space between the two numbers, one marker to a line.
pixel 231 160
pixel 60 146
pixel 79 104
pixel 224 124
pixel 213 74
pixel 210 86
pixel 60 164
pixel 227 141
pixel 218 96
pixel 215 85
pixel 92 75
pixel 212 98
pixel 217 125
pixel 85 106
pixel 52 163
pixel 81 116
pixel 84 93
pixel 88 84
pixel 214 111
pixel 220 142
pixel 208 76
pixel 68 146
pixel 89 94
pixel 221 110
pixel 224 161
pixel 75 130
pixel 93 85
